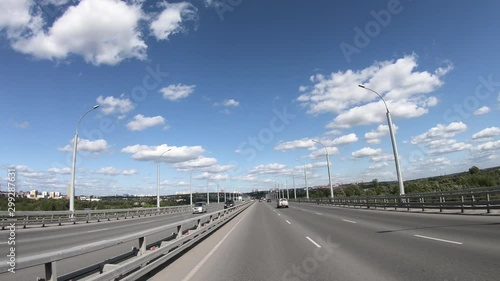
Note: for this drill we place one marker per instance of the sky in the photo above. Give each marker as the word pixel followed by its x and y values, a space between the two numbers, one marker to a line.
pixel 241 95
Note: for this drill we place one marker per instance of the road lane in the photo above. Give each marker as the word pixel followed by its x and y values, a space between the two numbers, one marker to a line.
pixel 279 244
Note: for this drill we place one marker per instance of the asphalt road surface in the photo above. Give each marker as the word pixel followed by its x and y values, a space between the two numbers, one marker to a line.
pixel 311 242
pixel 39 240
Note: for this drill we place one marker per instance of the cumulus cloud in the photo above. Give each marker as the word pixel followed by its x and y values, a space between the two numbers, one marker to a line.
pixel 170 20
pixel 295 144
pixel 366 152
pixel 95 146
pixel 486 134
pixel 440 131
pixel 398 81
pixel 111 105
pixel 373 137
pixel 152 153
pixel 482 110
pixel 177 92
pixel 101 31
pixel 140 122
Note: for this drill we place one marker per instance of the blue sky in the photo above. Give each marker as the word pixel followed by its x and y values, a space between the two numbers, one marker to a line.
pixel 237 90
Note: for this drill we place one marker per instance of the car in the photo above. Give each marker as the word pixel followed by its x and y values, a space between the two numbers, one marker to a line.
pixel 228 204
pixel 269 200
pixel 282 203
pixel 199 207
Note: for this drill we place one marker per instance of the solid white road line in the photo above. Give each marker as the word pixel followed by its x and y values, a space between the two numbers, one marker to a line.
pixel 348 221
pixel 312 241
pixel 318 214
pixel 205 259
pixel 279 214
pixel 288 222
pixel 437 239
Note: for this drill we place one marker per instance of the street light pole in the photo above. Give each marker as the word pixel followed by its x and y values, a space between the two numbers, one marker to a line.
pixel 73 168
pixel 208 194
pixel 191 188
pixel 294 189
pixel 158 180
pixel 393 140
pixel 328 165
pixel 305 178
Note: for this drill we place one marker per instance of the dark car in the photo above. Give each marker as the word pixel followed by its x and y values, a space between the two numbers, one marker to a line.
pixel 228 204
pixel 268 200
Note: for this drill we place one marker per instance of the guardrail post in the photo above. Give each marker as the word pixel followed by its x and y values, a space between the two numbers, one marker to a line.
pixel 488 203
pixel 50 271
pixel 462 205
pixel 407 201
pixel 395 204
pixel 441 204
pixel 179 232
pixel 142 246
pixel 422 201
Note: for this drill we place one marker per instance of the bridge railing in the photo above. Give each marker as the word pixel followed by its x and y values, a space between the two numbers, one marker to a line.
pixel 131 264
pixel 486 199
pixel 44 218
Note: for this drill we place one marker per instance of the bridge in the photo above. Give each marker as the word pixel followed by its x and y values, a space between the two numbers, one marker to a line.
pixel 310 240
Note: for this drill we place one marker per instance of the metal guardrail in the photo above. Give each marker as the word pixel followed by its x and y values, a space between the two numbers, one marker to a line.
pixel 44 218
pixel 475 199
pixel 134 263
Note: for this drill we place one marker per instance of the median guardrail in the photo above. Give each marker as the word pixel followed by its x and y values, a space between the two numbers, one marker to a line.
pixel 131 264
pixel 486 199
pixel 45 218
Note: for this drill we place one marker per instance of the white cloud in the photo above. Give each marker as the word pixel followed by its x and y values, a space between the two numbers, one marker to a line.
pixel 230 103
pixel 486 134
pixel 95 146
pixel 16 16
pixel 217 168
pixel 373 137
pixel 491 145
pixel 366 152
pixel 129 172
pixel 175 155
pixel 482 110
pixel 102 31
pixel 170 20
pixel 292 145
pixel 200 162
pixel 140 122
pixel 177 92
pixel 210 176
pixel 333 132
pixel 439 132
pixel 273 168
pixel 375 112
pixel 110 171
pixel 382 157
pixel 63 171
pixel 402 86
pixel 320 152
pixel 111 105
pixel 346 139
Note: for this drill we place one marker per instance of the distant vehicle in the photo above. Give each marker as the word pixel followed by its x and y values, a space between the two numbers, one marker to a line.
pixel 260 200
pixel 282 203
pixel 268 200
pixel 199 207
pixel 228 204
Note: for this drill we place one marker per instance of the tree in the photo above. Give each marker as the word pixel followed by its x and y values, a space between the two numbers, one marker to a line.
pixel 473 170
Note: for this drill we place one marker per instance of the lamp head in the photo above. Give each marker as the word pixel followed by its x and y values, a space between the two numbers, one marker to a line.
pixel 95 106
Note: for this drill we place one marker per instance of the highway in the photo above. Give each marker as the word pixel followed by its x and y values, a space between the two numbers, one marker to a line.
pixel 312 242
pixel 38 240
